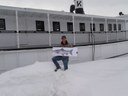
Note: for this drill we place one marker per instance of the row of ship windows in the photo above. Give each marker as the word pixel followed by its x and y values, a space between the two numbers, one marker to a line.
pixel 40 26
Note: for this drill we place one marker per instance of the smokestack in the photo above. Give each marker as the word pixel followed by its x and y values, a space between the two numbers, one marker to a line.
pixel 79 6
pixel 72 8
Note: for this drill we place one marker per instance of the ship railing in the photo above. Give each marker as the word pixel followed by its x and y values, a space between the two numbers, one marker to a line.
pixel 82 38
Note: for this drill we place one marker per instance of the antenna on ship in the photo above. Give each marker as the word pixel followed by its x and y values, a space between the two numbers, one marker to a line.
pixel 121 13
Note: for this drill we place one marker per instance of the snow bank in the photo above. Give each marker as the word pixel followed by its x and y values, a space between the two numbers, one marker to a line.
pixel 98 78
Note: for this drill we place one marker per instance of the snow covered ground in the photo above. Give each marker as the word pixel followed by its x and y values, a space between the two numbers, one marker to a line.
pixel 98 78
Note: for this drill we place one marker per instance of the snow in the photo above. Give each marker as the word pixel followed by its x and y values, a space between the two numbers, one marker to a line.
pixel 98 78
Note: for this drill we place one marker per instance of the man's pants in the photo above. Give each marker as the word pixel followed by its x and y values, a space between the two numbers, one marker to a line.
pixel 64 59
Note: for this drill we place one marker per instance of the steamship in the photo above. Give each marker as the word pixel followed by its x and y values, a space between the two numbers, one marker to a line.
pixel 31 28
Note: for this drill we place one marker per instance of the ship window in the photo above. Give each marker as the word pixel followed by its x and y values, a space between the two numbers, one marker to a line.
pixel 2 24
pixel 82 26
pixel 40 26
pixel 114 27
pixel 69 26
pixel 119 27
pixel 109 27
pixel 56 26
pixel 101 27
pixel 94 28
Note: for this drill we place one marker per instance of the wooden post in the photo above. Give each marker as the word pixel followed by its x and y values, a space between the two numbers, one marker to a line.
pixel 49 30
pixel 74 33
pixel 106 28
pixel 17 29
pixel 93 41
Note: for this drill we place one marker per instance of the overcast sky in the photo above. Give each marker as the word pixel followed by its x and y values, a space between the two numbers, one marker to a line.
pixel 95 7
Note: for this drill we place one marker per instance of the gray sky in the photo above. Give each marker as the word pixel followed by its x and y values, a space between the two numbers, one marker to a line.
pixel 95 7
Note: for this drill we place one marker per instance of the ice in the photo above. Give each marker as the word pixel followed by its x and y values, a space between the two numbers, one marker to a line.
pixel 98 78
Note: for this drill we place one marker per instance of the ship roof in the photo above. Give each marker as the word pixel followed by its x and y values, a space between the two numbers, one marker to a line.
pixel 10 8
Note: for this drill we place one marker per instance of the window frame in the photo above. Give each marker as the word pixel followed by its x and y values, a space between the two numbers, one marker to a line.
pixel 115 27
pixel 56 26
pixel 82 26
pixel 43 25
pixel 119 27
pixel 69 26
pixel 94 27
pixel 109 27
pixel 101 27
pixel 2 27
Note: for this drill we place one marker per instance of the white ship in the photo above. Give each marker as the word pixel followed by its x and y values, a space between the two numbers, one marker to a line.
pixel 28 28
pixel 20 28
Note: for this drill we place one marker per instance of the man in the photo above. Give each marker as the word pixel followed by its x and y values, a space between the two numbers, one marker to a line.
pixel 65 59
